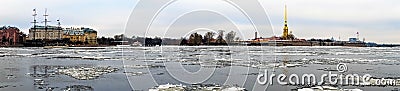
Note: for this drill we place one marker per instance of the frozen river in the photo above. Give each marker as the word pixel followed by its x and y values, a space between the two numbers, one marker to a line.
pixel 140 68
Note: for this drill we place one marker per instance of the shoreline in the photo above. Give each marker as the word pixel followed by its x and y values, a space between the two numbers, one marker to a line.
pixel 384 45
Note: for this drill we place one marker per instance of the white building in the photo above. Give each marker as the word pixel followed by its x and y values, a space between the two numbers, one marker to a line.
pixel 45 33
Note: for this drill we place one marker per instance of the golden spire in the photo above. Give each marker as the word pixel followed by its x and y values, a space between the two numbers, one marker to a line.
pixel 285 28
pixel 285 17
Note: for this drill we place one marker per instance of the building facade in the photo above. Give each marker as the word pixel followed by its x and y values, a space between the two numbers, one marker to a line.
pixel 90 36
pixel 81 35
pixel 11 36
pixel 45 33
pixel 74 35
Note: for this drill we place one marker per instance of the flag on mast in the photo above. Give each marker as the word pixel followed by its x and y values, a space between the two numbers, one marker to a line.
pixel 34 12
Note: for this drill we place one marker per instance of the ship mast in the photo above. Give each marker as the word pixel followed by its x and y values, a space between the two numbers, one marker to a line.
pixel 58 23
pixel 45 23
pixel 59 28
pixel 34 24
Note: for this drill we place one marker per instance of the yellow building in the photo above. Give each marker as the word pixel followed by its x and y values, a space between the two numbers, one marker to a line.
pixel 81 35
pixel 90 36
pixel 75 38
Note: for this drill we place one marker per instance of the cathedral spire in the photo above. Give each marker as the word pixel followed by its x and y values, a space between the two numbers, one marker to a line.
pixel 285 27
pixel 285 15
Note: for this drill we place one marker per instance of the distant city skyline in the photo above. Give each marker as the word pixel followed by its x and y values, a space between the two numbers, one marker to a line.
pixel 375 20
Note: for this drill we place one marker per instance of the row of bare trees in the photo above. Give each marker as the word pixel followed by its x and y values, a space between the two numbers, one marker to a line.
pixel 196 39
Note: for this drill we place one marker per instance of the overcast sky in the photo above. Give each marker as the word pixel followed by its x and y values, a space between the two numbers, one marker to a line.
pixel 376 20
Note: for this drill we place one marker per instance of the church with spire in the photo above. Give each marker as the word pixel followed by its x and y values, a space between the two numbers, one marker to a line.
pixel 286 35
pixel 288 39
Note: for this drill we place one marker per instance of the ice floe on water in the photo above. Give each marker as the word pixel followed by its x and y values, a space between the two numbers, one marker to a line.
pixel 142 62
pixel 85 73
pixel 196 87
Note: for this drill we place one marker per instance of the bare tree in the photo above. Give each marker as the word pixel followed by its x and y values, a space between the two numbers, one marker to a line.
pixel 208 37
pixel 220 38
pixel 195 39
pixel 230 36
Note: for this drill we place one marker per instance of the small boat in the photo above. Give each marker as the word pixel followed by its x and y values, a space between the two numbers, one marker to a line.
pixel 136 44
